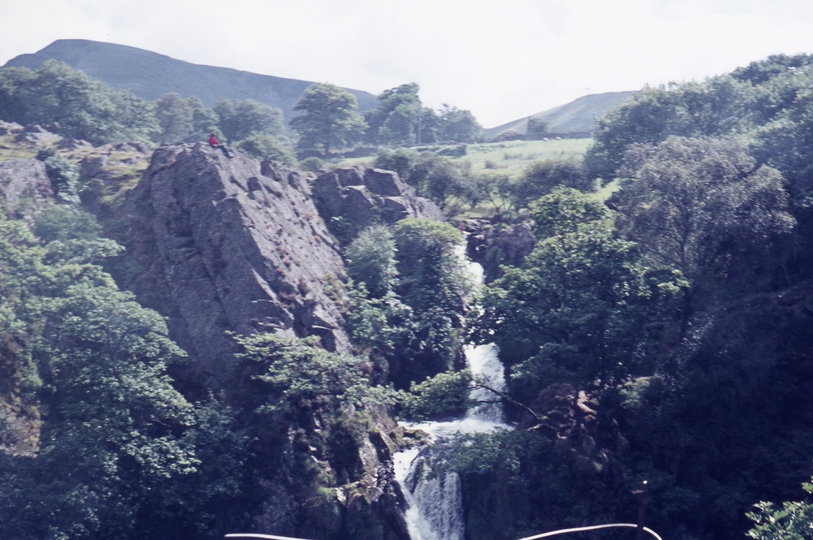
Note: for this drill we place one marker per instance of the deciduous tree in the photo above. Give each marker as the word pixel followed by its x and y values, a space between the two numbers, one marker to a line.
pixel 328 119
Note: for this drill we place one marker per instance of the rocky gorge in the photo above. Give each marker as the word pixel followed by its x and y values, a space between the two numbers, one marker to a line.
pixel 223 246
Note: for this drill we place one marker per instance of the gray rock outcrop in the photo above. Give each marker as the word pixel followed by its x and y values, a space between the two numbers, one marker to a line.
pixel 353 198
pixel 25 188
pixel 35 135
pixel 492 246
pixel 230 245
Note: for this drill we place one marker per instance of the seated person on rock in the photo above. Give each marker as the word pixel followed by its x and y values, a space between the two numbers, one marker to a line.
pixel 214 143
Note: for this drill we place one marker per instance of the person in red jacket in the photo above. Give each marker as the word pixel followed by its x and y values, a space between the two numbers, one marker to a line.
pixel 214 143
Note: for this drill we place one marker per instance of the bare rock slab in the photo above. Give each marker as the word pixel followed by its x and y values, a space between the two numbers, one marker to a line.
pixel 230 245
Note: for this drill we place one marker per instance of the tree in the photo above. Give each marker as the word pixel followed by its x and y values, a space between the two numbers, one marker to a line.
pixel 411 315
pixel 458 125
pixel 63 174
pixel 541 177
pixel 182 119
pixel 537 127
pixel 329 118
pixel 174 116
pixel 119 448
pixel 240 118
pixel 717 107
pixel 574 312
pixel 433 283
pixel 400 125
pixel 702 206
pixel 794 521
pixel 371 260
pixel 84 107
pixel 262 146
pixel 403 105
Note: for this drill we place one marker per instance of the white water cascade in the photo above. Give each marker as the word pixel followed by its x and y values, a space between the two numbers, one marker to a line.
pixel 435 506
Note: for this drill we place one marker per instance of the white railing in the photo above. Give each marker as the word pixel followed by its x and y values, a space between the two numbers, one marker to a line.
pixel 593 528
pixel 535 537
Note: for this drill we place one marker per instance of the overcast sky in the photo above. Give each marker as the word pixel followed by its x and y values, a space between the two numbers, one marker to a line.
pixel 500 59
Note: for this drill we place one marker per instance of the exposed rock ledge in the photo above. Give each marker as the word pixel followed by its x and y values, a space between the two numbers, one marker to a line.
pixel 229 245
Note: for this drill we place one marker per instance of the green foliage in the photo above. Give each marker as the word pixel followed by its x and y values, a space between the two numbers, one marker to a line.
pixel 541 177
pixel 430 271
pixel 64 175
pixel 401 119
pixel 444 395
pixel 241 118
pixel 412 316
pixel 537 127
pixel 794 521
pixel 526 482
pixel 573 311
pixel 328 119
pixel 433 176
pixel 297 378
pixel 395 119
pixel 312 164
pixel 84 107
pixel 457 125
pixel 65 223
pixel 379 325
pixel 399 127
pixel 677 312
pixel 775 66
pixel 719 106
pixel 119 450
pixel 182 119
pixel 703 206
pixel 262 146
pixel 371 260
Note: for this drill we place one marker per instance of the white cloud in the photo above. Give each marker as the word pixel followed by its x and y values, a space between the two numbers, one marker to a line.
pixel 502 59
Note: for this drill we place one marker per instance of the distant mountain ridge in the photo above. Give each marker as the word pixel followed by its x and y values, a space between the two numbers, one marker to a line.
pixel 150 75
pixel 578 116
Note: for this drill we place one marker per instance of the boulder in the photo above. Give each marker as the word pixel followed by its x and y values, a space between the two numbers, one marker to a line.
pixel 353 198
pixel 25 188
pixel 230 245
pixel 74 144
pixel 493 246
pixel 7 128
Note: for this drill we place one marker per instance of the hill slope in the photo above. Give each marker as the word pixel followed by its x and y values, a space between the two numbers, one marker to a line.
pixel 577 116
pixel 150 75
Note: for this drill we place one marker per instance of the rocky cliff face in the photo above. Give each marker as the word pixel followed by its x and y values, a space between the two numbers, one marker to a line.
pixel 24 187
pixel 227 244
pixel 230 245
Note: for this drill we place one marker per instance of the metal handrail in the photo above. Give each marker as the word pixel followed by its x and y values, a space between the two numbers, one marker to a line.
pixel 266 536
pixel 593 528
pixel 535 537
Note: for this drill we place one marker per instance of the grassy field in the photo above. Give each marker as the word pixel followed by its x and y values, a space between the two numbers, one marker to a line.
pixel 513 157
pixel 509 158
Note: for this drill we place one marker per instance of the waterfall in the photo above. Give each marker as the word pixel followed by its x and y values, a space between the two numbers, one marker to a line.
pixel 435 506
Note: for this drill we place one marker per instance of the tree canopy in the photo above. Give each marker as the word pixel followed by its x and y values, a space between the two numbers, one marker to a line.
pixel 328 120
pixel 84 107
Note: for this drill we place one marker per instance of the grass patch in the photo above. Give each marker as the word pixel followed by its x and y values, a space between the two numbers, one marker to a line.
pixel 514 156
pixel 9 149
pixel 509 157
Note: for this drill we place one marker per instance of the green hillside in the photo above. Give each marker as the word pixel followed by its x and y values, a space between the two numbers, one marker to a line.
pixel 578 116
pixel 149 75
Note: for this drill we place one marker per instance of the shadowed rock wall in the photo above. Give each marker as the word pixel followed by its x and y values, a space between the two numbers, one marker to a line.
pixel 229 245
